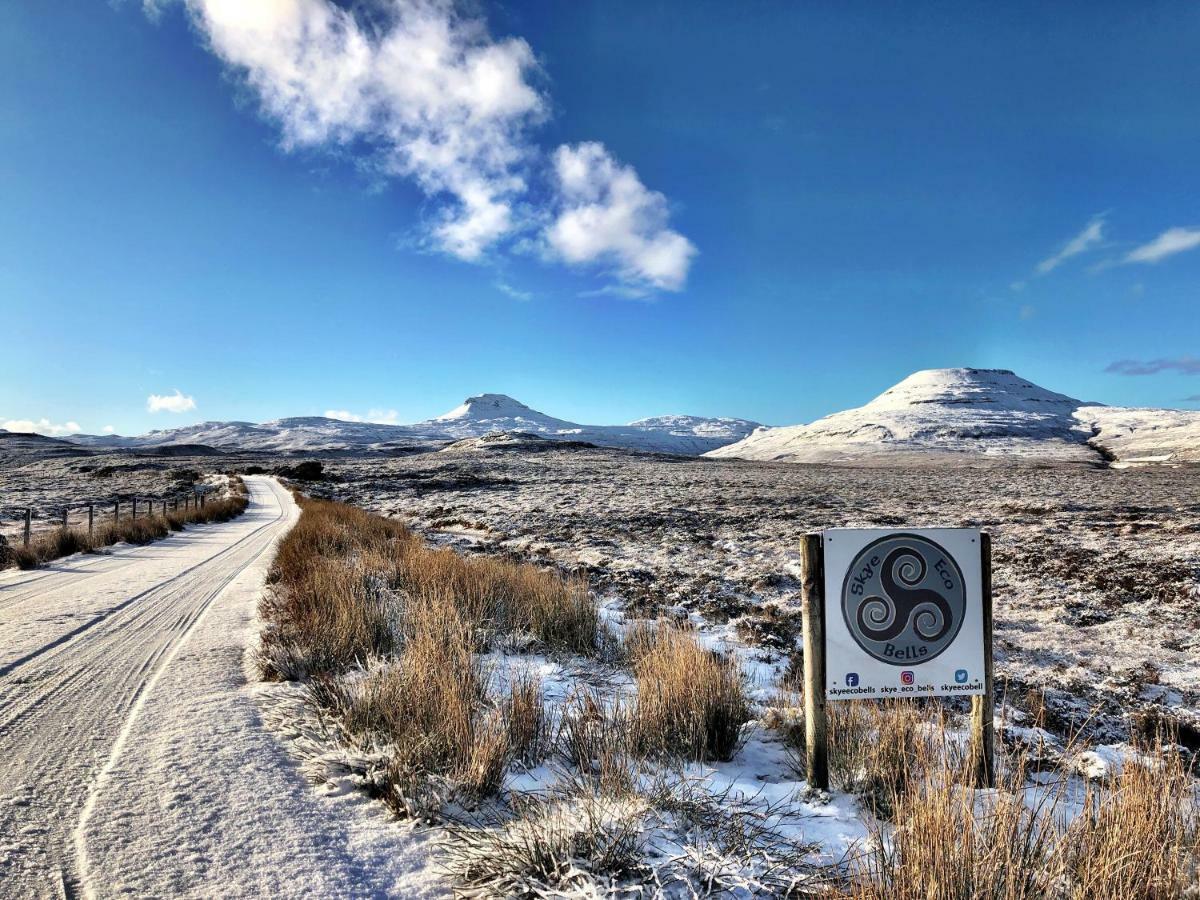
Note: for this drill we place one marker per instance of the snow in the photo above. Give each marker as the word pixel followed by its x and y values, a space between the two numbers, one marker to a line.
pixel 975 414
pixel 133 756
pixel 474 418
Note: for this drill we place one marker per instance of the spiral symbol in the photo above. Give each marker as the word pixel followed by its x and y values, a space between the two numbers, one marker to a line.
pixel 903 599
pixel 883 618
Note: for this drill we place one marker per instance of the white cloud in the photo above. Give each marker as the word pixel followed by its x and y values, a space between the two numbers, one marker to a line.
pixel 424 91
pixel 434 96
pixel 1092 234
pixel 516 293
pixel 172 403
pixel 607 215
pixel 1170 242
pixel 41 426
pixel 108 429
pixel 373 416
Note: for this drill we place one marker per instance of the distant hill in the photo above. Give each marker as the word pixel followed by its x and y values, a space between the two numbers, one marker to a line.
pixel 475 417
pixel 978 413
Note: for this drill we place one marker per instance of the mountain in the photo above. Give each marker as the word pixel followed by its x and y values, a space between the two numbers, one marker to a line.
pixel 475 417
pixel 21 446
pixel 974 413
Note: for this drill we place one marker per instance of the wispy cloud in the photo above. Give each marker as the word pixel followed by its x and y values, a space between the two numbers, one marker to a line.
pixel 516 293
pixel 1092 234
pixel 373 416
pixel 172 403
pixel 1170 242
pixel 41 426
pixel 420 89
pixel 1186 364
pixel 1195 398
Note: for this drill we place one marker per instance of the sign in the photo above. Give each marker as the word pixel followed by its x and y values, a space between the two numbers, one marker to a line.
pixel 903 613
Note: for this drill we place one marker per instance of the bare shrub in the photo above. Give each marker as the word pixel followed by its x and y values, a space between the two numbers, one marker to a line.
pixel 691 702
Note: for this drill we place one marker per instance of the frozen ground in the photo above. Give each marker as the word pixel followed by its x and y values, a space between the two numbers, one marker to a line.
pixel 133 760
pixel 1097 571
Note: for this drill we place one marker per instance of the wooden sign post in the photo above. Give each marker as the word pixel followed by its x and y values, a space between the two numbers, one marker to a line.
pixel 816 740
pixel 897 613
pixel 983 706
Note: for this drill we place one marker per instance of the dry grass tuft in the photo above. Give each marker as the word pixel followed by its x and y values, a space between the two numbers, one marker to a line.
pixel 561 847
pixel 948 843
pixel 431 710
pixel 1139 832
pixel 691 702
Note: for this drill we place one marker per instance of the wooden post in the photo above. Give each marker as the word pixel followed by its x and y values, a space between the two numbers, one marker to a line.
pixel 202 496
pixel 28 525
pixel 812 580
pixel 135 507
pixel 91 518
pixel 66 511
pixel 983 707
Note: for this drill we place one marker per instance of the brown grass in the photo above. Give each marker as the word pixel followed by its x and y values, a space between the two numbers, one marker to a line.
pixel 355 589
pixel 431 710
pixel 1138 834
pixel 943 847
pixel 62 542
pixel 346 581
pixel 691 702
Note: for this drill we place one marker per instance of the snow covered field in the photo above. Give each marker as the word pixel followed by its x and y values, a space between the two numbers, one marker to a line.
pixel 1097 571
pixel 1097 617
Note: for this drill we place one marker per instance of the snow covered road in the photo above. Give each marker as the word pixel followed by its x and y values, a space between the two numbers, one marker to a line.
pixel 132 755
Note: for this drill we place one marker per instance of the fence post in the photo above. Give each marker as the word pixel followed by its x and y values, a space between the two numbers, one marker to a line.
pixel 66 511
pixel 812 581
pixel 202 496
pixel 135 507
pixel 116 510
pixel 983 707
pixel 28 525
pixel 91 518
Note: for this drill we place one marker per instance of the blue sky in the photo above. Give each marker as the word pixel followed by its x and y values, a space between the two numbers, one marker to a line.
pixel 768 210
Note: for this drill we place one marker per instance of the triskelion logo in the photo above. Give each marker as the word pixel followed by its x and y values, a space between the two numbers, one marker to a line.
pixel 903 599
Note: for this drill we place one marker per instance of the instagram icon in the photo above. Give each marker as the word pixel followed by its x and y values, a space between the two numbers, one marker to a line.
pixel 907 677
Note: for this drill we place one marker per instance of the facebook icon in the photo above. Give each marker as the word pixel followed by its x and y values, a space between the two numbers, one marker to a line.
pixel 851 679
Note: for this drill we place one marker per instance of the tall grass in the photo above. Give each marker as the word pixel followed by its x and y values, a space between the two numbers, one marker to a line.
pixel 691 702
pixel 1139 832
pixel 349 584
pixel 62 542
pixel 352 590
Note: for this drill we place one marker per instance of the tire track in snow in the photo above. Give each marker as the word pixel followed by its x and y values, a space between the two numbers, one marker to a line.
pixel 70 697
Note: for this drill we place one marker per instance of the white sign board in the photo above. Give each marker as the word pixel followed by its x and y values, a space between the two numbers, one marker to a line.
pixel 903 613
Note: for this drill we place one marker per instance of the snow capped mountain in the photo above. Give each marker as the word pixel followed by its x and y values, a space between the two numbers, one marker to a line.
pixel 476 417
pixel 976 413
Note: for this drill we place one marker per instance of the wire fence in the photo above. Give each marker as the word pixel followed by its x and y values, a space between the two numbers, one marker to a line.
pixel 30 521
